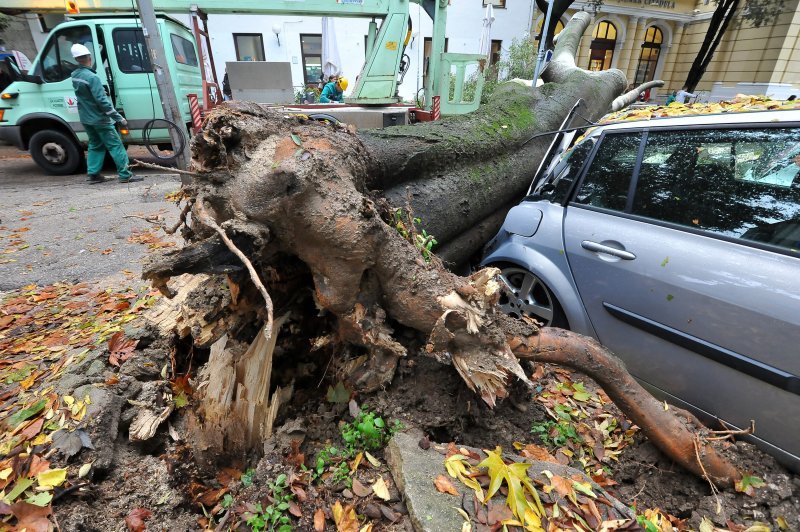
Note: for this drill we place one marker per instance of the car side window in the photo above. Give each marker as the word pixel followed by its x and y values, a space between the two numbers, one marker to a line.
pixel 57 61
pixel 183 50
pixel 131 51
pixel 739 183
pixel 609 175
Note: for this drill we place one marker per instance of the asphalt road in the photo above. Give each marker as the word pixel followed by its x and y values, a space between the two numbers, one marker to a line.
pixel 63 229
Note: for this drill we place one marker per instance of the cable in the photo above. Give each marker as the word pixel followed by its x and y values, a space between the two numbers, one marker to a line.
pixel 148 128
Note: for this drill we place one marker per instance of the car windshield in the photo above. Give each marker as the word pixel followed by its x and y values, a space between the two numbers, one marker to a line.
pixel 555 186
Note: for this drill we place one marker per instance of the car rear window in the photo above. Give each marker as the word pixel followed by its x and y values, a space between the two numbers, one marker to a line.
pixel 739 183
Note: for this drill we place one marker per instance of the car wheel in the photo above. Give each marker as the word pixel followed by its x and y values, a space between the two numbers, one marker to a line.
pixel 55 152
pixel 524 294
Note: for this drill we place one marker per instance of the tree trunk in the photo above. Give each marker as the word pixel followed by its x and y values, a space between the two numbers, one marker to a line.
pixel 718 25
pixel 288 191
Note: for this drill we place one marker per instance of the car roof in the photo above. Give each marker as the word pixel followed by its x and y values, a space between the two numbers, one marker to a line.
pixel 744 110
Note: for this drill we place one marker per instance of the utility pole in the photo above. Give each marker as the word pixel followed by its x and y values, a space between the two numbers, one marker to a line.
pixel 542 43
pixel 166 90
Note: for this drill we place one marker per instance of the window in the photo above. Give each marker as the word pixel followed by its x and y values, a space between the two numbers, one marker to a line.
pixel 57 62
pixel 183 50
pixel 249 46
pixel 559 27
pixel 557 185
pixel 736 183
pixel 494 54
pixel 608 178
pixel 131 51
pixel 427 46
pixel 311 50
pixel 648 57
pixel 601 52
pixel 496 3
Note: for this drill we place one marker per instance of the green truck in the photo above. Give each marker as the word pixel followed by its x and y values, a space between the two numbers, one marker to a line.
pixel 39 113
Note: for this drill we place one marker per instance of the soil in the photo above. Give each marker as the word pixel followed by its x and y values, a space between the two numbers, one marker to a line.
pixel 424 395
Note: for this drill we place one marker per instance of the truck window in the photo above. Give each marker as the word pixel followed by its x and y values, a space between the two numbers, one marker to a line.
pixel 57 61
pixel 131 50
pixel 183 50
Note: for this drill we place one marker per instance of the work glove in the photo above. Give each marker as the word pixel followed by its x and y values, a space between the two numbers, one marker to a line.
pixel 123 122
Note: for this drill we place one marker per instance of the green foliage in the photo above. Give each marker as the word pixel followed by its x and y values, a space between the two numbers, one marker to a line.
pixel 247 477
pixel 646 524
pixel 227 500
pixel 556 434
pixel 274 516
pixel 367 432
pixel 408 230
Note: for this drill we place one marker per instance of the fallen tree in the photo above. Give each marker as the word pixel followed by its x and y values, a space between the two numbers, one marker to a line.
pixel 281 201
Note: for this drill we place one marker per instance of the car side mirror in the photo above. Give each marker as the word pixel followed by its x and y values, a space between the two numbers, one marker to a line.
pixel 10 68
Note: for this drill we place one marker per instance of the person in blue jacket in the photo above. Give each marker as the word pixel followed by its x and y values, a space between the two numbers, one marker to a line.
pixel 333 91
pixel 98 117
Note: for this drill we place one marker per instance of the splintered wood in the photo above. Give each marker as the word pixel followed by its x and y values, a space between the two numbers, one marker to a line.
pixel 237 412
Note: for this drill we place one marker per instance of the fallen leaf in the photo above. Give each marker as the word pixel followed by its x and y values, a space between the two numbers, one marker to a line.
pixel 444 485
pixel 32 518
pixel 52 477
pixel 136 518
pixel 120 348
pixel 372 460
pixel 380 489
pixel 84 470
pixel 345 518
pixel 319 520
pixel 360 490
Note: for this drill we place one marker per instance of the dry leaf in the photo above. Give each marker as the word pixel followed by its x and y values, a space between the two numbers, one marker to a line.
pixel 444 485
pixel 380 489
pixel 136 518
pixel 360 490
pixel 31 518
pixel 120 348
pixel 372 460
pixel 319 520
pixel 52 477
pixel 345 518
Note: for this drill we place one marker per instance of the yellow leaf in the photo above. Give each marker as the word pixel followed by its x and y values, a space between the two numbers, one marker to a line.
pixel 372 460
pixel 52 477
pixel 69 400
pixel 758 527
pixel 782 524
pixel 40 439
pixel 518 483
pixel 380 489
pixel 356 462
pixel 366 528
pixel 4 474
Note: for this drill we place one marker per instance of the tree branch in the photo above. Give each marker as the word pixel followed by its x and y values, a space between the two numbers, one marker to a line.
pixel 624 100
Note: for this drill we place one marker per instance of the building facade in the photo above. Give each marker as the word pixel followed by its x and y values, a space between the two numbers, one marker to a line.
pixel 646 39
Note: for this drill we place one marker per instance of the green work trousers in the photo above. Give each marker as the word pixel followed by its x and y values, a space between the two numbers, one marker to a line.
pixel 104 138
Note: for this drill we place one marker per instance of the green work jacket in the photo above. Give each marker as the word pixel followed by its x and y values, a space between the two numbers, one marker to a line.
pixel 94 107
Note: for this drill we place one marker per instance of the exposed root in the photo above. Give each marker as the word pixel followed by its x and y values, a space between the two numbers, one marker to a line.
pixel 662 427
pixel 181 220
pixel 714 490
pixel 206 219
pixel 143 164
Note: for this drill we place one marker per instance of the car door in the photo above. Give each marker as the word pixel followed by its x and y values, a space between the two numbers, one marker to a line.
pixel 691 280
pixel 134 84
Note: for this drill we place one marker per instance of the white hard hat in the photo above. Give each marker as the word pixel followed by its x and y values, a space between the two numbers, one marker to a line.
pixel 79 50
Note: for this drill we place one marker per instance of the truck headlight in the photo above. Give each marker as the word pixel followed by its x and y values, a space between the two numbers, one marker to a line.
pixel 9 95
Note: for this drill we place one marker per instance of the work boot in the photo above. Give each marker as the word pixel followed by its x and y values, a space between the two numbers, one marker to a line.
pixel 131 179
pixel 94 179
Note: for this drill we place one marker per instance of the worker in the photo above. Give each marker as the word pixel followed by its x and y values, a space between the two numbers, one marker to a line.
pixel 334 91
pixel 98 117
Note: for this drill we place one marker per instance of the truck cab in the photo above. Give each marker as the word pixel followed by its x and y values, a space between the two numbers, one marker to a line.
pixel 39 111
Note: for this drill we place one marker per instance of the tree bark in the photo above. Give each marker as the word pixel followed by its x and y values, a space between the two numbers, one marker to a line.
pixel 328 197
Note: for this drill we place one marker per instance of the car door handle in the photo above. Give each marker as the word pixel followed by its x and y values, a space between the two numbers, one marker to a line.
pixel 608 250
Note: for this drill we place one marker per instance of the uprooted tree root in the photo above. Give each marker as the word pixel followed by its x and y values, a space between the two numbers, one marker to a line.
pixel 277 190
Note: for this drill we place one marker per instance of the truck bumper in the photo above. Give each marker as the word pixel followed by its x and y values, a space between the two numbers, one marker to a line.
pixel 12 135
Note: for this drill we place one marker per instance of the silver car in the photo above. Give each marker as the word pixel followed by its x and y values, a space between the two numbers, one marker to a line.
pixel 676 243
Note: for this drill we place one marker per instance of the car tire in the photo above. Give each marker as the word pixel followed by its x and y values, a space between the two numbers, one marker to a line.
pixel 524 293
pixel 56 152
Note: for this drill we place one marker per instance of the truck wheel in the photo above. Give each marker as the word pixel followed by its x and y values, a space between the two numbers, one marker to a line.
pixel 55 152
